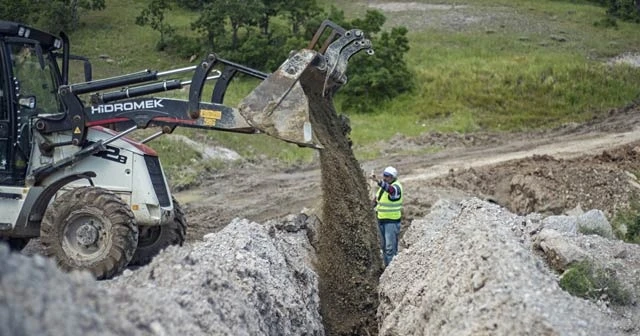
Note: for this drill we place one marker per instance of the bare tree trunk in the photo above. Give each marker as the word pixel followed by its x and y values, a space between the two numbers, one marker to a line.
pixel 234 35
pixel 75 19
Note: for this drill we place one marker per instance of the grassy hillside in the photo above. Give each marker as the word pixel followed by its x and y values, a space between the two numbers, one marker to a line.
pixel 507 65
pixel 479 65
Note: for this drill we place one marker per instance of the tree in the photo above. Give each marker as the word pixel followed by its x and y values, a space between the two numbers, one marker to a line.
pixel 17 10
pixel 76 5
pixel 241 14
pixel 271 9
pixel 56 15
pixel 371 23
pixel 301 11
pixel 191 4
pixel 258 41
pixel 49 15
pixel 375 79
pixel 211 23
pixel 627 10
pixel 153 16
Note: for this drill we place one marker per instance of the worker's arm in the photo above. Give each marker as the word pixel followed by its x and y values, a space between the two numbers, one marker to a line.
pixel 394 191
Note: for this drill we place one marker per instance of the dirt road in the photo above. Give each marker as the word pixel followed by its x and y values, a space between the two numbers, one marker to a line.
pixel 565 161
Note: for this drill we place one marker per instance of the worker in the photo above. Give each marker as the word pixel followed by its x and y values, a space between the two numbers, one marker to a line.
pixel 388 205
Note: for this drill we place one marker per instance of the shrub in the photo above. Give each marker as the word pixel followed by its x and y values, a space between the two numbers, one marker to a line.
pixel 184 46
pixel 607 22
pixel 627 10
pixel 587 281
pixel 599 231
pixel 626 223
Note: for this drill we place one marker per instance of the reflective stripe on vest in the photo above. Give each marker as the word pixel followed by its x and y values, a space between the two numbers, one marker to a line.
pixel 388 209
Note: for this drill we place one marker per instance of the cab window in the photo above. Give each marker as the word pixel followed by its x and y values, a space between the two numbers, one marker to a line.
pixel 34 77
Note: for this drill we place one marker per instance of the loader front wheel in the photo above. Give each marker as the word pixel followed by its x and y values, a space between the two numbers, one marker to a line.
pixel 153 239
pixel 92 229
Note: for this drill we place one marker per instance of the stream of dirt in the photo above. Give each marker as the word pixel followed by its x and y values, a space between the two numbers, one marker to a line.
pixel 349 264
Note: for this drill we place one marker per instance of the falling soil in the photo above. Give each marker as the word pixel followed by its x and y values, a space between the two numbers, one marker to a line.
pixel 349 264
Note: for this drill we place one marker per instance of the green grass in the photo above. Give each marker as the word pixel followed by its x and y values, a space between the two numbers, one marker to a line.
pixel 113 32
pixel 505 77
pixel 626 222
pixel 504 74
pixel 510 80
pixel 587 281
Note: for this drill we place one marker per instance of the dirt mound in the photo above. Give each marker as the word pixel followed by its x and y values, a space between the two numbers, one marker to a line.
pixel 549 185
pixel 39 299
pixel 470 268
pixel 247 279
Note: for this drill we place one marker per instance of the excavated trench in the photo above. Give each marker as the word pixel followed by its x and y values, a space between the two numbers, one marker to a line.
pixel 348 261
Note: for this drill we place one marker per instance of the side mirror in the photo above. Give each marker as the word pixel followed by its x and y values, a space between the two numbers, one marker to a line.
pixel 88 75
pixel 27 102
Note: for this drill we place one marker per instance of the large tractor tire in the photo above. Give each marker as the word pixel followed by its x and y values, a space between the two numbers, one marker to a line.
pixel 153 239
pixel 90 228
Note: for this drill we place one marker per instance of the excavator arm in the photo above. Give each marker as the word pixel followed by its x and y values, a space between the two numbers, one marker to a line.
pixel 278 106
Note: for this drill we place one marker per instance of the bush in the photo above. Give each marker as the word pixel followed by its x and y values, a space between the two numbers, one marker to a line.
pixel 626 223
pixel 587 281
pixel 633 231
pixel 191 4
pixel 627 10
pixel 184 46
pixel 576 281
pixel 607 22
pixel 599 231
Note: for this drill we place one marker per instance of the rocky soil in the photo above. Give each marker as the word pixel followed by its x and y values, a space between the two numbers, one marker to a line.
pixel 471 268
pixel 248 279
pixel 491 226
pixel 492 223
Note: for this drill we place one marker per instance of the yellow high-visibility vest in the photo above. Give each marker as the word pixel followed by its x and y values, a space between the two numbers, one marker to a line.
pixel 386 208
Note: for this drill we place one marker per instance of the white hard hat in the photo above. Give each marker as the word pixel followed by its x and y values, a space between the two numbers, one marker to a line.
pixel 390 171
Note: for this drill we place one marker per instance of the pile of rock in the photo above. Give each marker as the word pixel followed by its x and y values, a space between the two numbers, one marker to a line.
pixel 248 279
pixel 472 268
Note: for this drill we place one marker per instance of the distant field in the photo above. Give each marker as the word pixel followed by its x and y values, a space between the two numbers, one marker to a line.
pixel 506 65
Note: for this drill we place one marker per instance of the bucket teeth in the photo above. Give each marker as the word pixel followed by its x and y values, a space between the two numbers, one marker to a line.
pixel 335 48
pixel 347 52
pixel 338 54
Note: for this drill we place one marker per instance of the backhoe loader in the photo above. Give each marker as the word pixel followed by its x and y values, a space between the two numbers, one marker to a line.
pixel 98 200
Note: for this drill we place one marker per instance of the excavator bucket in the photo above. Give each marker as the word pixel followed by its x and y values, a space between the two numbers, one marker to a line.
pixel 279 107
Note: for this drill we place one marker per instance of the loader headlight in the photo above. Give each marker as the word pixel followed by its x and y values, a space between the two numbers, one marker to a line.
pixel 24 32
pixel 27 102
